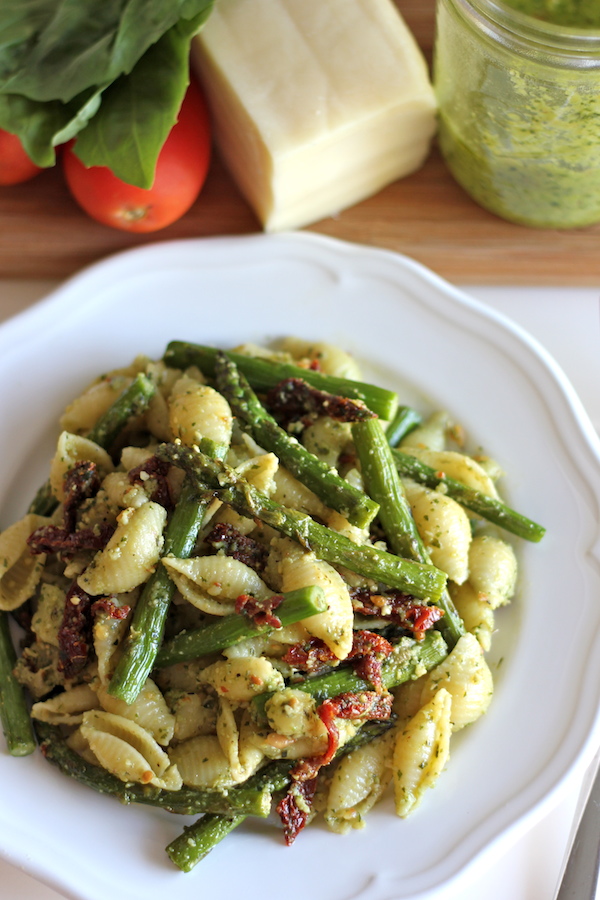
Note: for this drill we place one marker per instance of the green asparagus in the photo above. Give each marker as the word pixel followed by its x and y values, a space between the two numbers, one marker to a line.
pixel 383 483
pixel 264 374
pixel 422 581
pixel 404 421
pixel 487 507
pixel 230 630
pixel 148 624
pixel 324 481
pixel 252 800
pixel 14 714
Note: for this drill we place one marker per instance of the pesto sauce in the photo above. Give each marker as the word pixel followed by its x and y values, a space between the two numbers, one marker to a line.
pixel 521 135
pixel 570 13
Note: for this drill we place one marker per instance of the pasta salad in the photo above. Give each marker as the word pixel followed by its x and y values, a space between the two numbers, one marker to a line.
pixel 254 585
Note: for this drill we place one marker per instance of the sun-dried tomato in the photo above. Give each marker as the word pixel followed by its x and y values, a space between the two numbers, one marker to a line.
pixel 401 609
pixel 157 470
pixel 368 651
pixel 75 632
pixel 108 606
pixel 260 611
pixel 295 807
pixel 294 400
pixel 81 482
pixel 233 543
pixel 310 656
pixel 54 539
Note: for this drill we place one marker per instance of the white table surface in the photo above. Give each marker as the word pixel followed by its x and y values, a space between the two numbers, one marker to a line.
pixel 567 323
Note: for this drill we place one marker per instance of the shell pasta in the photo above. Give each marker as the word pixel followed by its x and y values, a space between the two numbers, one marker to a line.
pixel 229 611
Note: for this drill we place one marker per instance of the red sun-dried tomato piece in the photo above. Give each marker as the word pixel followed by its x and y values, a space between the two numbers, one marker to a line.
pixel 260 611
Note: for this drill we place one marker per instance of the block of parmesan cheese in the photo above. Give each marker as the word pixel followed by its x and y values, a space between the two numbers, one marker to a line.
pixel 317 104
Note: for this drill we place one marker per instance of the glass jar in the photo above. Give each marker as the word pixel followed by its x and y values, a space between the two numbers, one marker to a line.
pixel 519 102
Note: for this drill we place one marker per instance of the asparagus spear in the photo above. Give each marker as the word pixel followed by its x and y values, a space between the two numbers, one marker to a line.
pixel 324 481
pixel 487 507
pixel 409 659
pixel 264 374
pixel 147 627
pixel 131 402
pixel 254 800
pixel 404 421
pixel 229 487
pixel 229 630
pixel 197 840
pixel 384 484
pixel 14 714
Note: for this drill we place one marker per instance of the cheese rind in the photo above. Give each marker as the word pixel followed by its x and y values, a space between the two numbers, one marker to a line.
pixel 316 105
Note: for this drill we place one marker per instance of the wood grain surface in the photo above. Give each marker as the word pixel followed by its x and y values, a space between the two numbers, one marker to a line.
pixel 43 234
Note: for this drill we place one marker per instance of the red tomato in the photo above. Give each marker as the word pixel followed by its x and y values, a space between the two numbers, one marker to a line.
pixel 180 173
pixel 15 165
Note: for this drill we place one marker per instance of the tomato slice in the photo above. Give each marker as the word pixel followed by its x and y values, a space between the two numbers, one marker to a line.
pixel 181 171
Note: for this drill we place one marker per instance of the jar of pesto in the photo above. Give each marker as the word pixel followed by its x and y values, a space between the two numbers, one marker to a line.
pixel 518 87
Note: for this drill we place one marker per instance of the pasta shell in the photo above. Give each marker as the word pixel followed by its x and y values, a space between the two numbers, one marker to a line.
pixel 258 471
pixel 422 750
pixel 243 757
pixel 197 411
pixel 70 449
pixel 48 616
pixel 66 708
pixel 475 611
pixel 332 360
pixel 149 710
pixel 83 413
pixel 492 569
pixel 326 438
pixel 127 750
pixel 195 714
pixel 131 554
pixel 213 583
pixel 121 493
pixel 335 625
pixel 292 493
pixel 20 570
pixel 467 677
pixel 458 466
pixel 293 713
pixel 202 763
pixel 445 529
pixel 358 783
pixel 108 635
pixel 431 434
pixel 239 680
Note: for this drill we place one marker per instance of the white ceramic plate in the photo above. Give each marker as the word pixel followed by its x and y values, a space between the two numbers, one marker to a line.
pixel 413 332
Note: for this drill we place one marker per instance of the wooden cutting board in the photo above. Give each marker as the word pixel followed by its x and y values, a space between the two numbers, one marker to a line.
pixel 43 234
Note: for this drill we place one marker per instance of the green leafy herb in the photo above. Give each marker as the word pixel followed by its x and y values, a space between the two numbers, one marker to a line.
pixel 112 74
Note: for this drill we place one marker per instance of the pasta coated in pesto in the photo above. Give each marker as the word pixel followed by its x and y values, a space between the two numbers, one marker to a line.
pixel 358 691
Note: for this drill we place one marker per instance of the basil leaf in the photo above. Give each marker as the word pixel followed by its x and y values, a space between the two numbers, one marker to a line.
pixel 43 126
pixel 56 49
pixel 139 109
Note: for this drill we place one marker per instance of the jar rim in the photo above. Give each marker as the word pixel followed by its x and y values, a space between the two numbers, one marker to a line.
pixel 494 14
